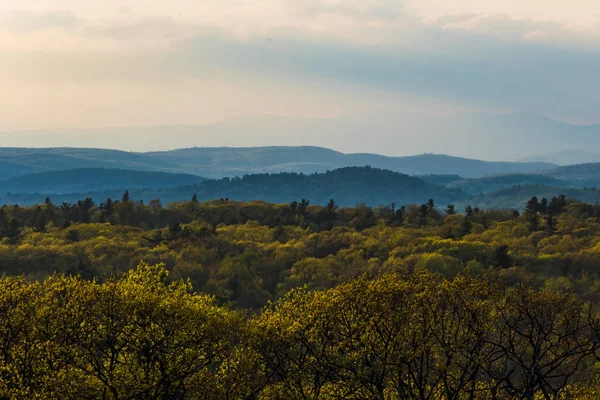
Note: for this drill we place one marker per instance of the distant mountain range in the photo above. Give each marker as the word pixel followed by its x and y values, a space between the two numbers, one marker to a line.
pixel 283 174
pixel 229 161
pixel 566 157
pixel 484 136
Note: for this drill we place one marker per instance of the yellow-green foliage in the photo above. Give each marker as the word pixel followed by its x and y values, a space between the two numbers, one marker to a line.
pixel 71 338
pixel 249 253
pixel 402 335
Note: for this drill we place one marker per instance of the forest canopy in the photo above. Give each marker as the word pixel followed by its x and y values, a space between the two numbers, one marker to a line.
pixel 224 299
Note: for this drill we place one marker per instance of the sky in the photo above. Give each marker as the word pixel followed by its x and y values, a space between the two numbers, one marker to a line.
pixel 92 64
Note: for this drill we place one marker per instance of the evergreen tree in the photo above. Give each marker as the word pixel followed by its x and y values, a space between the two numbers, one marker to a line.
pixel 557 205
pixel 533 205
pixel 302 208
pixel 500 257
pixel 469 211
pixel 543 205
pixel 423 213
pixel 13 229
pixel 534 221
pixel 466 226
pixel 430 205
pixel 399 216
pixel 550 223
pixel 331 207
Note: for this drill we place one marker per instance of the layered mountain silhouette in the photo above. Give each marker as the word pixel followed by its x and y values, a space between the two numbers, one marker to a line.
pixel 234 161
pixel 283 174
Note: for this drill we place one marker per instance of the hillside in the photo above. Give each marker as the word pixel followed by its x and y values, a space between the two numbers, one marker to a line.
pixel 517 196
pixel 579 176
pixel 94 179
pixel 588 173
pixel 497 182
pixel 348 186
pixel 230 161
pixel 566 157
pixel 23 161
pixel 233 161
pixel 440 179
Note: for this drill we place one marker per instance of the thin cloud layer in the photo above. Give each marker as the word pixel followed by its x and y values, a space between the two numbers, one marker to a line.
pixel 473 60
pixel 24 21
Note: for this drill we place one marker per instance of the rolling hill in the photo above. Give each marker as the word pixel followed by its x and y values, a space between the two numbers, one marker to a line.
pixel 498 182
pixel 566 157
pixel 579 176
pixel 517 196
pixel 230 161
pixel 94 179
pixel 582 174
pixel 23 161
pixel 348 186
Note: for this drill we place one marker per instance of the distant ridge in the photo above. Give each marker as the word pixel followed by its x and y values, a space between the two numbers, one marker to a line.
pixel 577 172
pixel 479 135
pixel 348 186
pixel 95 179
pixel 517 196
pixel 217 162
pixel 566 157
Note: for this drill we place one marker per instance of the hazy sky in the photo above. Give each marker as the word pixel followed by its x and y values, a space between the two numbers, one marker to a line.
pixel 90 63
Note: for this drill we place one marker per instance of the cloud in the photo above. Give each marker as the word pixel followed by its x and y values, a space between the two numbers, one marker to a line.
pixel 502 26
pixel 497 25
pixel 23 21
pixel 479 59
pixel 491 72
pixel 149 27
pixel 358 22
pixel 381 10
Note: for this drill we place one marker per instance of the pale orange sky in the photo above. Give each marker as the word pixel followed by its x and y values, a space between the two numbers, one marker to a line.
pixel 90 63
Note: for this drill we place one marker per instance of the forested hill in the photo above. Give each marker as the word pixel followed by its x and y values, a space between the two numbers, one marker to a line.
pixel 577 172
pixel 230 161
pixel 517 196
pixel 348 186
pixel 25 161
pixel 498 182
pixel 95 179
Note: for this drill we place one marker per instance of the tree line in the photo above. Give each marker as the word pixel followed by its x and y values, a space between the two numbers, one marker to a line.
pixel 154 215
